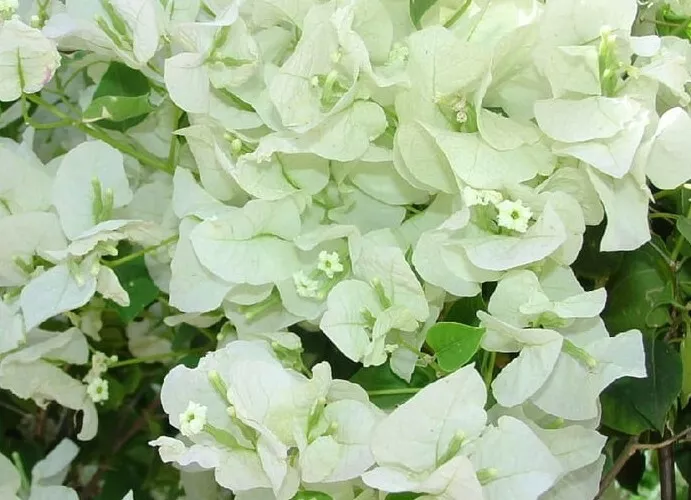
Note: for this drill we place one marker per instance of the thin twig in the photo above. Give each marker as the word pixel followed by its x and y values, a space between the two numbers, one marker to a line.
pixel 666 442
pixel 632 446
pixel 623 457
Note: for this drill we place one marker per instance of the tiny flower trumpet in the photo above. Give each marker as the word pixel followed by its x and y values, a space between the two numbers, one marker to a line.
pixel 305 286
pixel 193 419
pixel 514 215
pixel 329 263
pixel 98 390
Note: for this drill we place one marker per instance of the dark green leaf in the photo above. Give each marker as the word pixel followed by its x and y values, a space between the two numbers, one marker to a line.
pixel 135 279
pixel 631 474
pixel 465 309
pixel 684 228
pixel 183 337
pixel 454 344
pixel 117 108
pixel 418 9
pixel 639 293
pixel 685 353
pixel 403 496
pixel 312 495
pixel 120 80
pixel 381 378
pixel 591 262
pixel 633 405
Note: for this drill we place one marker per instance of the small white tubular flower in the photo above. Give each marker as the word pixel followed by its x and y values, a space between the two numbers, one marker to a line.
pixel 399 54
pixel 514 215
pixel 193 419
pixel 8 7
pixel 493 197
pixel 99 363
pixel 305 286
pixel 98 390
pixel 473 197
pixel 329 263
pixel 460 107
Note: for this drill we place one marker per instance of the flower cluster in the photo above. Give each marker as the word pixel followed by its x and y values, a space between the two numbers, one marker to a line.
pixel 347 167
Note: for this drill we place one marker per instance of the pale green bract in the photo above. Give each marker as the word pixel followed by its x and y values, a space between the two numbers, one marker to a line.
pixel 346 170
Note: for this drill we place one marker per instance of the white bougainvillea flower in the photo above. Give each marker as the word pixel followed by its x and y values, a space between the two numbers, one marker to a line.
pixel 19 169
pixel 604 132
pixel 130 30
pixel 76 284
pixel 28 373
pixel 90 183
pixel 438 422
pixel 581 358
pixel 12 326
pixel 552 299
pixel 664 60
pixel 220 55
pixel 193 419
pixel 514 215
pixel 47 475
pixel 626 204
pixel 577 447
pixel 665 166
pixel 26 237
pixel 97 389
pixel 251 245
pixel 29 60
pixel 192 287
pixel 342 452
pixel 511 460
pixel 248 412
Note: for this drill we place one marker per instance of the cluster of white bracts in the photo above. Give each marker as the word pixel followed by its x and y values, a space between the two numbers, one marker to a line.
pixel 351 173
pixel 266 430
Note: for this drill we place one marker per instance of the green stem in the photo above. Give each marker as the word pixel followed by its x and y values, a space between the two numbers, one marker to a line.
pixel 661 215
pixel 173 151
pixel 36 125
pixel 17 460
pixel 488 368
pixel 681 28
pixel 144 158
pixel 458 14
pixel 395 392
pixel 679 243
pixel 134 256
pixel 157 357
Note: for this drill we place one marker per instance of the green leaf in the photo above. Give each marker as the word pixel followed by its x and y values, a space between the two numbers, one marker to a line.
pixel 312 495
pixel 403 496
pixel 631 474
pixel 136 281
pixel 120 80
pixel 465 309
pixel 684 227
pixel 418 9
pixel 454 344
pixel 639 293
pixel 117 108
pixel 591 262
pixel 381 378
pixel 685 353
pixel 633 405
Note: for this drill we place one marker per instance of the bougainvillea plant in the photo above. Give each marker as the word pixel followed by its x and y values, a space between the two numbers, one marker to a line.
pixel 345 249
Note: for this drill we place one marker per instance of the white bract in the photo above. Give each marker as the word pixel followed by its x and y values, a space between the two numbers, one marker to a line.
pixel 260 425
pixel 343 169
